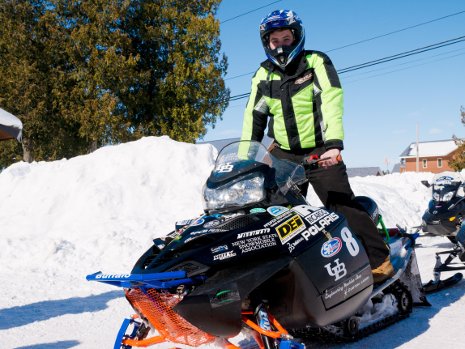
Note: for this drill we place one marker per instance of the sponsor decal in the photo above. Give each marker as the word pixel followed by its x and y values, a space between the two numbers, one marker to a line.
pixel 198 221
pixel 255 243
pixel 198 232
pixel 225 168
pixel 316 216
pixel 331 248
pixel 225 255
pixel 338 270
pixel 218 249
pixel 257 210
pixel 184 222
pixel 347 288
pixel 277 210
pixel 279 219
pixel 304 78
pixel 212 224
pixel 291 245
pixel 248 234
pixel 305 210
pixel 213 230
pixel 112 276
pixel 290 228
pixel 444 180
pixel 320 225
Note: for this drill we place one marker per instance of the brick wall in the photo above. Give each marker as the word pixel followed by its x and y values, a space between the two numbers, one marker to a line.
pixel 428 164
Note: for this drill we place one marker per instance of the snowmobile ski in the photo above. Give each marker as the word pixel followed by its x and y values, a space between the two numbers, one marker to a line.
pixel 435 286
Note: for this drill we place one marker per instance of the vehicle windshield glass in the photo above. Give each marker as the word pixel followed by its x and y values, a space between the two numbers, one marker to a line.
pixel 445 185
pixel 286 172
pixel 444 192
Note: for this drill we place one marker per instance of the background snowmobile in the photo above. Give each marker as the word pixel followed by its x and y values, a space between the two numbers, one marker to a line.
pixel 444 217
pixel 261 265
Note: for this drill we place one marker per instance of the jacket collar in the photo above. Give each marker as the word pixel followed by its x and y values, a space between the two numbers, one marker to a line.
pixel 301 65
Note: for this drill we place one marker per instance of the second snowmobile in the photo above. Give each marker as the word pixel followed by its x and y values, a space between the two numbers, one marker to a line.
pixel 262 267
pixel 445 217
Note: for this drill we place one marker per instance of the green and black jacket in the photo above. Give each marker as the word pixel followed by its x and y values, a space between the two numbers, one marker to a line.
pixel 305 109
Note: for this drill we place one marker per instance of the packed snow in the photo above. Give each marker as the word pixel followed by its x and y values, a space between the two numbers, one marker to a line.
pixel 63 220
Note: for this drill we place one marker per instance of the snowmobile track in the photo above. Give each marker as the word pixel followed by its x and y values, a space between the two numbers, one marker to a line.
pixel 334 334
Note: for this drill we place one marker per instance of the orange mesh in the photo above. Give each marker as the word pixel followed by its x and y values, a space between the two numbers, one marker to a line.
pixel 157 308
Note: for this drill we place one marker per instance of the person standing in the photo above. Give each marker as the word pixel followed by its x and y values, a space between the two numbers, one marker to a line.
pixel 298 94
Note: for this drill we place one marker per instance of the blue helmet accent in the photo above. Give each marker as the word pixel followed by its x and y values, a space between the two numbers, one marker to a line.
pixel 282 19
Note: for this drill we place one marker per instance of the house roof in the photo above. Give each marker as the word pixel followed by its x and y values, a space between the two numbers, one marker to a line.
pixel 364 171
pixel 396 168
pixel 432 148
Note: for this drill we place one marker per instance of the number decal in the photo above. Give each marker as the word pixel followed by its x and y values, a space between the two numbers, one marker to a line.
pixel 351 243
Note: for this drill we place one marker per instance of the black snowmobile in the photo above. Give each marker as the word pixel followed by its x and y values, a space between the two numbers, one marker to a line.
pixel 444 217
pixel 262 267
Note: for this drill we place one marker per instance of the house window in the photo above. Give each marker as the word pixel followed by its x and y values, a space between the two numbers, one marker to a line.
pixel 439 162
pixel 425 163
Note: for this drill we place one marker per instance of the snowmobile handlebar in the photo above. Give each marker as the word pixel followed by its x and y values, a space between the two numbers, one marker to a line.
pixel 313 161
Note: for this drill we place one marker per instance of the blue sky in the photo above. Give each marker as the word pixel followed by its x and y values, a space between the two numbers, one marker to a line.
pixel 384 103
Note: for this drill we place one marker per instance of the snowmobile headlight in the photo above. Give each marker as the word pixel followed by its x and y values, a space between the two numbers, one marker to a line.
pixel 235 194
pixel 443 197
pixel 448 196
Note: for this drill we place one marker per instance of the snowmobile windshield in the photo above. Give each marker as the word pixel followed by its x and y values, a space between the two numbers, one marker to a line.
pixel 445 192
pixel 445 186
pixel 238 178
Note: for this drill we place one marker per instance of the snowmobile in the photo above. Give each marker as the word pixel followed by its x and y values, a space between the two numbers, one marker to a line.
pixel 444 217
pixel 262 268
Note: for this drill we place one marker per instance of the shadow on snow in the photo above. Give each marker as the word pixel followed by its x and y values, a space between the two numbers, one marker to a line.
pixel 40 311
pixel 56 345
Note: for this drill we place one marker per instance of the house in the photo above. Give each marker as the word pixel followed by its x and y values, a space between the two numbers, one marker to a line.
pixel 433 156
pixel 396 168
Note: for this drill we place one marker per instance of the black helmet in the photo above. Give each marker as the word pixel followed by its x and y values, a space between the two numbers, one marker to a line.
pixel 282 19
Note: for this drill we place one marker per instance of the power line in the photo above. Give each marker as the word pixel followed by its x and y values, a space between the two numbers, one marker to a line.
pixel 383 60
pixel 372 38
pixel 246 13
pixel 396 70
pixel 409 64
pixel 348 82
pixel 397 31
pixel 402 55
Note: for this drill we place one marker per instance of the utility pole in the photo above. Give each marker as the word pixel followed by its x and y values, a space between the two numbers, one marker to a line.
pixel 418 156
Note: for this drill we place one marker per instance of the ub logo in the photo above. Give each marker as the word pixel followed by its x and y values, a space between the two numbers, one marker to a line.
pixel 224 168
pixel 338 271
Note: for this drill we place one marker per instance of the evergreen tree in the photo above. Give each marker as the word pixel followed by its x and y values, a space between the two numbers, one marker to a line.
pixel 81 74
pixel 180 88
pixel 458 160
pixel 25 86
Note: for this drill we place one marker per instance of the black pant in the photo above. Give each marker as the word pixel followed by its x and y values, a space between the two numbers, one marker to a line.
pixel 332 187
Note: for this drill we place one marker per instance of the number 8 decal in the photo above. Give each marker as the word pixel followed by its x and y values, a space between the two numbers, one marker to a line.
pixel 351 243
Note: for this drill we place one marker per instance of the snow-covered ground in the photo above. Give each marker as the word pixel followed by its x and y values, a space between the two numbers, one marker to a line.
pixel 62 220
